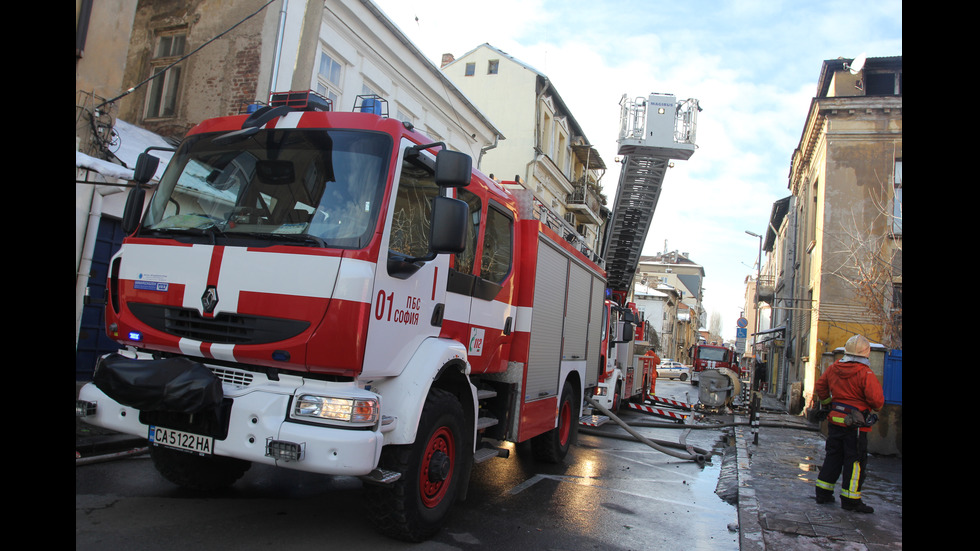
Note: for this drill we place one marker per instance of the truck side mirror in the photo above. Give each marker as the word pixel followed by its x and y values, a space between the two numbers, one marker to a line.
pixel 453 168
pixel 134 209
pixel 629 330
pixel 146 168
pixel 448 227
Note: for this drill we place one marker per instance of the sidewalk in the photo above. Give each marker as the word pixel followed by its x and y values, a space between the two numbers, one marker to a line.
pixel 776 505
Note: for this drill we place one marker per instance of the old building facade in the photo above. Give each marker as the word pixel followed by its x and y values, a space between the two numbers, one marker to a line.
pixel 833 247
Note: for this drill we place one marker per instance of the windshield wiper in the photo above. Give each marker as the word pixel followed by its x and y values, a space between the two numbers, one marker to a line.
pixel 211 231
pixel 298 237
pixel 303 238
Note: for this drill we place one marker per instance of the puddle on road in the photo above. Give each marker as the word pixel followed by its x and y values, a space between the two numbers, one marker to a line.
pixel 727 488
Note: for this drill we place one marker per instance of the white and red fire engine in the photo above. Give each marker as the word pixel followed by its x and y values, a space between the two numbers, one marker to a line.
pixel 330 292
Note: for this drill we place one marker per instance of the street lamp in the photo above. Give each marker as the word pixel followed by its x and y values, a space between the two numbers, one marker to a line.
pixel 755 398
pixel 758 276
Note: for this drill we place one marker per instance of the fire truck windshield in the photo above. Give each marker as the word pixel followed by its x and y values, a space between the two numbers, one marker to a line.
pixel 712 354
pixel 323 186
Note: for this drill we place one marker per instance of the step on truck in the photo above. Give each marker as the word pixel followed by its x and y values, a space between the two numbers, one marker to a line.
pixel 330 292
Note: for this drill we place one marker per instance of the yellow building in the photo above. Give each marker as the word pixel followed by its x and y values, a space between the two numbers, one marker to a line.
pixel 846 183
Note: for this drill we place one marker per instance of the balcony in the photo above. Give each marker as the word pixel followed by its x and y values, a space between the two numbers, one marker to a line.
pixel 584 201
pixel 767 288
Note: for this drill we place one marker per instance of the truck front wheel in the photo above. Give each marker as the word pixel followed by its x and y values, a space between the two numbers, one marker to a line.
pixel 205 473
pixel 415 507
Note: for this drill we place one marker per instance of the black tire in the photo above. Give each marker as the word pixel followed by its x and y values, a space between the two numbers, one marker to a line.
pixel 415 507
pixel 552 446
pixel 683 377
pixel 198 472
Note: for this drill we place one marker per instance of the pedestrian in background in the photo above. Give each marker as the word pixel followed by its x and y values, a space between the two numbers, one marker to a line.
pixel 761 375
pixel 848 392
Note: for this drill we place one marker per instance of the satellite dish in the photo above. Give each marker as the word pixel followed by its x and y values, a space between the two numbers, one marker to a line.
pixel 856 65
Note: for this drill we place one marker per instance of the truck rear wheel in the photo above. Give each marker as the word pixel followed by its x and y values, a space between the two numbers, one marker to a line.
pixel 552 446
pixel 415 507
pixel 197 472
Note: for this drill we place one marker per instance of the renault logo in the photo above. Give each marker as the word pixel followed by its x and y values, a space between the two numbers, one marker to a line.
pixel 210 299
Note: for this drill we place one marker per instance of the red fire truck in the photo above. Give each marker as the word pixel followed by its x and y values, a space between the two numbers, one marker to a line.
pixel 330 292
pixel 712 356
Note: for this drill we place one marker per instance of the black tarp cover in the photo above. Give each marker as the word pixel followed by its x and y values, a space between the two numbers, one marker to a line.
pixel 168 384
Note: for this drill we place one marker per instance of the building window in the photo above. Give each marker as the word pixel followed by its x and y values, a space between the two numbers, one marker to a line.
pixel 883 84
pixel 492 66
pixel 897 201
pixel 470 69
pixel 161 98
pixel 329 78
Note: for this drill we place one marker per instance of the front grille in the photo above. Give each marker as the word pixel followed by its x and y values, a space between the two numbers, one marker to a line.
pixel 224 328
pixel 234 377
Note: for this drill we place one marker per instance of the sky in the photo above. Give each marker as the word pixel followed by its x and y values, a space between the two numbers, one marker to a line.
pixel 752 65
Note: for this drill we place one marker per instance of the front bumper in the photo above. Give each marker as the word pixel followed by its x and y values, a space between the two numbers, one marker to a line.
pixel 258 416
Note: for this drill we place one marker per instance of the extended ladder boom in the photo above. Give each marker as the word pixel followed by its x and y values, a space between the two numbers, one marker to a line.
pixel 652 132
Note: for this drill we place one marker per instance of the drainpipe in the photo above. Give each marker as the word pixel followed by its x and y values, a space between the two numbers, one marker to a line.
pixel 483 150
pixel 278 53
pixel 530 167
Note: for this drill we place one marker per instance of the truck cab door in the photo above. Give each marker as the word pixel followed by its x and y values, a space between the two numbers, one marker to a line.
pixel 480 311
pixel 409 294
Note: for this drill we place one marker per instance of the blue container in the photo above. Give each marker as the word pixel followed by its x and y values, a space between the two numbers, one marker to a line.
pixel 892 380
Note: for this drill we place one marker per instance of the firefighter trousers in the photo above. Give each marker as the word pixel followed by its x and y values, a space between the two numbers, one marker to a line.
pixel 847 455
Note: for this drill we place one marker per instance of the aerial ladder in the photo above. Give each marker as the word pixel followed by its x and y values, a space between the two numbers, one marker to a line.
pixel 653 131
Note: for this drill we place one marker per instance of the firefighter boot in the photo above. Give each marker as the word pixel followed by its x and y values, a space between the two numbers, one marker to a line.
pixel 824 496
pixel 855 505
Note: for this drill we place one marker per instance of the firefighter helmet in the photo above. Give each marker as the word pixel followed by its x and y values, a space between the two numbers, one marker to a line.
pixel 858 346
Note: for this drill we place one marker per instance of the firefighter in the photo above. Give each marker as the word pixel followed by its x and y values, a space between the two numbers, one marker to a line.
pixel 848 392
pixel 653 372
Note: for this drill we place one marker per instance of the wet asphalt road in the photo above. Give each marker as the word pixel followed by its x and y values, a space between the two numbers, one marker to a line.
pixel 608 494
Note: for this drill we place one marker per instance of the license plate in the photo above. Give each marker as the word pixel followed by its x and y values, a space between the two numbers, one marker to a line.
pixel 181 440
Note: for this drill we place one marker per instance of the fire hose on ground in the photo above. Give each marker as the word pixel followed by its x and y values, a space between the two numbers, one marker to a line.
pixel 690 453
pixel 661 445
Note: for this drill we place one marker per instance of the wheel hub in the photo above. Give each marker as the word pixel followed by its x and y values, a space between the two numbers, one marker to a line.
pixel 438 467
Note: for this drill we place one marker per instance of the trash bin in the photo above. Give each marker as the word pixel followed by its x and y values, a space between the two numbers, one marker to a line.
pixel 718 387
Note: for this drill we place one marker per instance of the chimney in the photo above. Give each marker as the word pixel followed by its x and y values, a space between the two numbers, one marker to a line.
pixel 447 59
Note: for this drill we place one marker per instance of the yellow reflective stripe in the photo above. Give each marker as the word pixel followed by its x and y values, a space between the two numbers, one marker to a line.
pixel 837 419
pixel 825 485
pixel 827 400
pixel 851 491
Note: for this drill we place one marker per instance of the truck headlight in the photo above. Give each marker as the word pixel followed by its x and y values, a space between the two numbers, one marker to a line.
pixel 361 411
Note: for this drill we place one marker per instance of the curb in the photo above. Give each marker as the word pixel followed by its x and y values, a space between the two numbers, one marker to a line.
pixel 750 535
